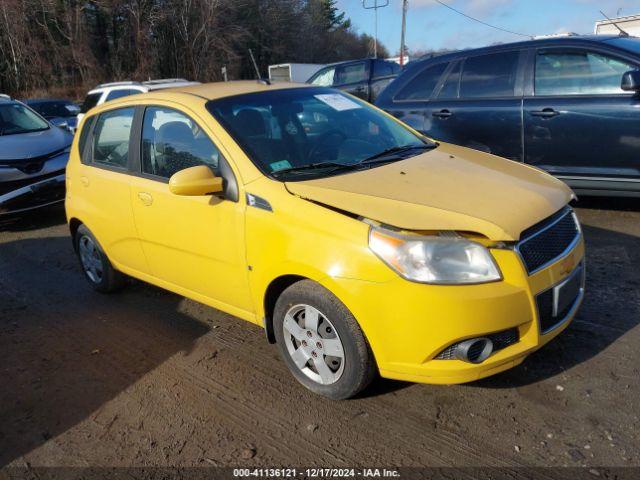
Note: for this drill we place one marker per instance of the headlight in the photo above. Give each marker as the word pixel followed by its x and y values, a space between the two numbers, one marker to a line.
pixel 438 260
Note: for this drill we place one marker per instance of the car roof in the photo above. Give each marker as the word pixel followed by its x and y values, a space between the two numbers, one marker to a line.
pixel 204 91
pixel 536 42
pixel 344 62
pixel 215 90
pixel 46 100
pixel 130 86
pixel 145 86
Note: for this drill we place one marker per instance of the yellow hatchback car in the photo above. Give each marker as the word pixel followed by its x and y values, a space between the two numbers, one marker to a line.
pixel 359 245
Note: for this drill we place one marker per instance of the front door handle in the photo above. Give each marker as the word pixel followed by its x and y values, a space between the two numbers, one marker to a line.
pixel 84 181
pixel 545 113
pixel 146 198
pixel 442 114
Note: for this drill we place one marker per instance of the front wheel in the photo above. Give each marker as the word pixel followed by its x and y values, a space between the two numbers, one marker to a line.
pixel 95 265
pixel 321 342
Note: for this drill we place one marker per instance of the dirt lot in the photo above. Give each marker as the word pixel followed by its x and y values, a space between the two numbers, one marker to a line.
pixel 147 378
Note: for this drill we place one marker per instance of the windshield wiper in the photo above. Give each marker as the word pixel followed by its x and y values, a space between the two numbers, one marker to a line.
pixel 389 152
pixel 332 166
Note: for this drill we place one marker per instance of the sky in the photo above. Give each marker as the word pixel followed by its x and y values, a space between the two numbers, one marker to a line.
pixel 432 27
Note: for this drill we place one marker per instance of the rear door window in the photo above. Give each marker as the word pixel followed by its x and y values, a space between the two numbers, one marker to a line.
pixel 578 72
pixel 111 138
pixel 451 85
pixel 492 75
pixel 384 69
pixel 90 101
pixel 421 86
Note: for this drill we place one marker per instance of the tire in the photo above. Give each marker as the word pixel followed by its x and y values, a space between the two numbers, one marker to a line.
pixel 95 265
pixel 336 342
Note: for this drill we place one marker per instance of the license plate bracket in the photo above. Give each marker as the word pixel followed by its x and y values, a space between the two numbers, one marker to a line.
pixel 567 292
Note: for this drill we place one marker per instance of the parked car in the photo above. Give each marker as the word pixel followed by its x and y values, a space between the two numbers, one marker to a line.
pixel 111 91
pixel 363 78
pixel 568 105
pixel 33 156
pixel 359 245
pixel 61 113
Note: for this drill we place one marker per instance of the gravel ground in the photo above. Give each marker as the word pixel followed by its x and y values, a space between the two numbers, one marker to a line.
pixel 148 378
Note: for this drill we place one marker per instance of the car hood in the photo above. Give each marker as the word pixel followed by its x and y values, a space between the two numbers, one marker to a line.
pixel 24 146
pixel 71 120
pixel 448 188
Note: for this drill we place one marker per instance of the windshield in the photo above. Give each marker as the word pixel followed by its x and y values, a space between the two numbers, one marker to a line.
pixel 90 101
pixel 295 130
pixel 16 118
pixel 55 109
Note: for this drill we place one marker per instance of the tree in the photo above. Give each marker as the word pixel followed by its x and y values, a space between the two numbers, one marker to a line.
pixel 64 47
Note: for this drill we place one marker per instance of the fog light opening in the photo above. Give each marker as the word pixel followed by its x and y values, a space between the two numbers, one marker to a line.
pixel 475 350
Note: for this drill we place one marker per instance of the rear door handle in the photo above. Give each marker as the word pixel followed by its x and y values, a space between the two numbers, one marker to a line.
pixel 84 181
pixel 146 198
pixel 545 113
pixel 442 114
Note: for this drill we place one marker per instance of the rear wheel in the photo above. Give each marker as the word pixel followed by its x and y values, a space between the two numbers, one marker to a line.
pixel 321 342
pixel 95 265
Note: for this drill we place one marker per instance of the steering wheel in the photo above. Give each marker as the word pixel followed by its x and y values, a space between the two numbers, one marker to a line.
pixel 317 147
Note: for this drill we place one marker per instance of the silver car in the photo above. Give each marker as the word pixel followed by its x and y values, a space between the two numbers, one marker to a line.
pixel 33 157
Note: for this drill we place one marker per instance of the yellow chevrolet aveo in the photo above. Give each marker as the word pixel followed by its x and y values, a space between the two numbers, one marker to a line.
pixel 359 245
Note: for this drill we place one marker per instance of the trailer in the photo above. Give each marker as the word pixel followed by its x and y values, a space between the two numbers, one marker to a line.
pixel 293 72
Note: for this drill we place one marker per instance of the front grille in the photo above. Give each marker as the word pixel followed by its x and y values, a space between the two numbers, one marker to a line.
pixel 6 187
pixel 548 240
pixel 500 340
pixel 20 162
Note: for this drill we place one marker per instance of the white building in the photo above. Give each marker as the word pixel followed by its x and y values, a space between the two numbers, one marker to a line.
pixel 293 72
pixel 630 24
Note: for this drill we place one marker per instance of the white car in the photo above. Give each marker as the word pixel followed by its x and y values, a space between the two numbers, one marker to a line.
pixel 110 91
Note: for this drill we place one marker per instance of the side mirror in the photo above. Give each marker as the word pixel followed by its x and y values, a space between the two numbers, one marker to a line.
pixel 631 81
pixel 195 181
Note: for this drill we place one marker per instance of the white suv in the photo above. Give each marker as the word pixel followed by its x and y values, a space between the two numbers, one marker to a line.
pixel 110 91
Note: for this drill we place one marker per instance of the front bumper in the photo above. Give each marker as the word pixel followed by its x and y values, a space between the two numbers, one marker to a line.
pixel 409 324
pixel 21 191
pixel 39 193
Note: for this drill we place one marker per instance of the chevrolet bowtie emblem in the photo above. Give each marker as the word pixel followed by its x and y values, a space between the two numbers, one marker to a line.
pixel 567 265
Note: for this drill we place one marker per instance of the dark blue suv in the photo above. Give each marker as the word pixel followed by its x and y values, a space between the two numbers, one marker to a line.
pixel 569 105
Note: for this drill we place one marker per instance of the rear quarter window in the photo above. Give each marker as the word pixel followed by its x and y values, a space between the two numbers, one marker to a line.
pixel 111 136
pixel 422 85
pixel 84 136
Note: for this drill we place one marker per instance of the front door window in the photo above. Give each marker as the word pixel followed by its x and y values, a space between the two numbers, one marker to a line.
pixel 578 73
pixel 171 141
